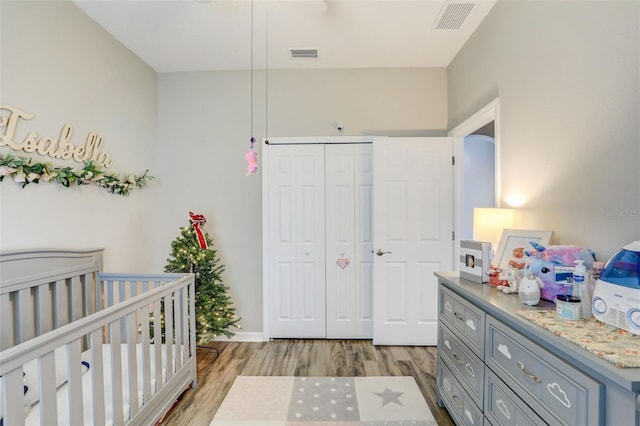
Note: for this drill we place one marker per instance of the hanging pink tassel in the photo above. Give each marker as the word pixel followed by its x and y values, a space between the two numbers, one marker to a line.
pixel 198 220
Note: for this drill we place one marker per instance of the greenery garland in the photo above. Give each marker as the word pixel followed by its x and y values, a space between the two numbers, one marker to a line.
pixel 24 172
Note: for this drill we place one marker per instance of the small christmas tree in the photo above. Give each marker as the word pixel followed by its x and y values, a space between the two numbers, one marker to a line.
pixel 192 252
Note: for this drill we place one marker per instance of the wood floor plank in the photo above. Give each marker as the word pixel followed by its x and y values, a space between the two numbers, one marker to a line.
pixel 294 357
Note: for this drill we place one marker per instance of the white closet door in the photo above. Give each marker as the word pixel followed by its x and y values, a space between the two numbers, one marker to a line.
pixel 348 189
pixel 297 241
pixel 413 203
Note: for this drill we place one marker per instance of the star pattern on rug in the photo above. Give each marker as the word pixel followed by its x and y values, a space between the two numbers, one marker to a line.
pixel 388 396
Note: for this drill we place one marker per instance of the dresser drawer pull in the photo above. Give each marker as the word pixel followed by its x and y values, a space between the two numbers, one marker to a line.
pixel 457 359
pixel 526 373
pixel 457 315
pixel 456 399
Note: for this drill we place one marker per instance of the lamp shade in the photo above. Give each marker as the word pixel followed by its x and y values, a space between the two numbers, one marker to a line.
pixel 488 223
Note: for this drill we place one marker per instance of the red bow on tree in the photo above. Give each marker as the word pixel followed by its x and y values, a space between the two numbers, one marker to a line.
pixel 198 220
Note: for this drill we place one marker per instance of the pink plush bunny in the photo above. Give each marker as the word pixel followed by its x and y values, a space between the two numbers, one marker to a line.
pixel 252 159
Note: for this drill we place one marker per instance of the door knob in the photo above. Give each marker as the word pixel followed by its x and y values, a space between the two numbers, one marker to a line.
pixel 379 252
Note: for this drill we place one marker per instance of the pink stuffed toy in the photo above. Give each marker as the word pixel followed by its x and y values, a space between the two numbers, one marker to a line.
pixel 542 263
pixel 252 159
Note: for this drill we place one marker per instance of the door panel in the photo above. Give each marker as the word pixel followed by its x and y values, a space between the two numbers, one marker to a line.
pixel 413 204
pixel 296 242
pixel 348 229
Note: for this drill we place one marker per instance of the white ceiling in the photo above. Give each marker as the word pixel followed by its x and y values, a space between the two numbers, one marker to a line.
pixel 194 35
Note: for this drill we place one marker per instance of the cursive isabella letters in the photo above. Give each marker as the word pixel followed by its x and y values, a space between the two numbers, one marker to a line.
pixel 59 147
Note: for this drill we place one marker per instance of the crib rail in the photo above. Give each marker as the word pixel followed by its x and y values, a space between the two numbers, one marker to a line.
pixel 129 310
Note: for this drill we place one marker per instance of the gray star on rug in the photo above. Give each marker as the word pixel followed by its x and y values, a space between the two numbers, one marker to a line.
pixel 389 396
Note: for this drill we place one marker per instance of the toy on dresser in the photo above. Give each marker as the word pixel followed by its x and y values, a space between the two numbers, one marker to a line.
pixel 552 265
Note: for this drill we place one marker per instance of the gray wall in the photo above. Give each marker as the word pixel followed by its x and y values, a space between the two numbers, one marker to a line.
pixel 204 129
pixel 60 66
pixel 568 78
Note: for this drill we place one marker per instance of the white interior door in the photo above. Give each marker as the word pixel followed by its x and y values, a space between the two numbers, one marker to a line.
pixel 349 239
pixel 296 241
pixel 413 224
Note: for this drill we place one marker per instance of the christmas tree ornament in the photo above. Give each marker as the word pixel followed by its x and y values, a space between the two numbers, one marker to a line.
pixel 198 220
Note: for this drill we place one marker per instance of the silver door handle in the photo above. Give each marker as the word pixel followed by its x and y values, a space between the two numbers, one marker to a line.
pixel 379 252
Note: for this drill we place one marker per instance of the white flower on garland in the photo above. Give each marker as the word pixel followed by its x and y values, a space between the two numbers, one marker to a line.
pixel 24 172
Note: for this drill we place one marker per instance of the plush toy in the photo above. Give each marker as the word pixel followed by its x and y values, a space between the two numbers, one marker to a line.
pixel 252 158
pixel 494 277
pixel 542 263
pixel 512 279
pixel 530 288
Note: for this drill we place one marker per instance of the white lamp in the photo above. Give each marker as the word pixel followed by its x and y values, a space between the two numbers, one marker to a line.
pixel 488 224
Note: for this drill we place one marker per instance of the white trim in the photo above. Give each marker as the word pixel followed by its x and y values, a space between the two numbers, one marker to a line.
pixel 265 205
pixel 319 140
pixel 487 114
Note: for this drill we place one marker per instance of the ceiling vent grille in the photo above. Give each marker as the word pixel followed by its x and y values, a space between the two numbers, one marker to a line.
pixel 304 53
pixel 453 15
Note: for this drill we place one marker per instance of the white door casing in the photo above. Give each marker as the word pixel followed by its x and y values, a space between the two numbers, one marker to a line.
pixel 413 223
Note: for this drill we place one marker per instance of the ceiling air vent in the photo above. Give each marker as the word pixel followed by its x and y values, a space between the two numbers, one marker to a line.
pixel 304 53
pixel 453 15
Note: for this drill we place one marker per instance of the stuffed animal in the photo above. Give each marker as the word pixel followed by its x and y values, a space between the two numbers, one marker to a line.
pixel 513 280
pixel 542 263
pixel 529 290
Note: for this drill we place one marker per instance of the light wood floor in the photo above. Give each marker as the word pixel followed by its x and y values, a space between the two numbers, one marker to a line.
pixel 216 373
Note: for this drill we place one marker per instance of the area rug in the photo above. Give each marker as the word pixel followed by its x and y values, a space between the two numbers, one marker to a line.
pixel 320 401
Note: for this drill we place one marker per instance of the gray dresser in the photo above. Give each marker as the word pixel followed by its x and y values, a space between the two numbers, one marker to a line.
pixel 496 368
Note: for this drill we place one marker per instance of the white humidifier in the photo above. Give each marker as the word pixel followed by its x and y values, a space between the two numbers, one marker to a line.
pixel 616 297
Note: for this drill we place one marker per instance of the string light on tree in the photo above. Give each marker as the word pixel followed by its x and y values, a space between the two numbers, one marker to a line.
pixel 193 252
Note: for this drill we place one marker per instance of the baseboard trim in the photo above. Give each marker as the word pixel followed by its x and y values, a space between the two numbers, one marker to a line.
pixel 242 336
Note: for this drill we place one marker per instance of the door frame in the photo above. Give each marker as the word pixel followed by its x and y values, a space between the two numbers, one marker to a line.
pixel 487 114
pixel 285 140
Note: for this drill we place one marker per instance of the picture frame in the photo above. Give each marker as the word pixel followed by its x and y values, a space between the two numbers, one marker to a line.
pixel 508 253
pixel 474 260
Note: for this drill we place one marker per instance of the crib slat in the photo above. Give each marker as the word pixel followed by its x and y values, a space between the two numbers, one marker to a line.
pixel 146 354
pixel 157 344
pixel 192 317
pixel 26 327
pixel 75 295
pixel 76 415
pixel 132 333
pixel 7 333
pixel 61 301
pixel 168 319
pixel 44 311
pixel 97 379
pixel 47 383
pixel 116 370
pixel 14 408
pixel 177 300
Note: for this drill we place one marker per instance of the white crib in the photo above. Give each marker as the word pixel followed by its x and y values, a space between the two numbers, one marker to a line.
pixel 79 346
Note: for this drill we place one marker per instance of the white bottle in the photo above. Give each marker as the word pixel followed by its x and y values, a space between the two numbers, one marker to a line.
pixel 579 277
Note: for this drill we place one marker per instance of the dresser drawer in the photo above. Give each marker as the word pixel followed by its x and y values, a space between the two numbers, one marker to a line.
pixel 465 319
pixel 558 392
pixel 463 363
pixel 459 404
pixel 503 407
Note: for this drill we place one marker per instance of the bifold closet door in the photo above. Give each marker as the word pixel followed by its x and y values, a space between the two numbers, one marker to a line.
pixel 349 241
pixel 296 241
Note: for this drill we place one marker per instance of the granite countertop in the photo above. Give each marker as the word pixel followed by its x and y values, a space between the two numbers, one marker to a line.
pixel 505 307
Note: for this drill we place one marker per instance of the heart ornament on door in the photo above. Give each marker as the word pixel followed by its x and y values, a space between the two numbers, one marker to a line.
pixel 343 262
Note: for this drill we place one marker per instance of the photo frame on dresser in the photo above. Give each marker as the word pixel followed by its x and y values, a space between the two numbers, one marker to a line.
pixel 474 260
pixel 513 243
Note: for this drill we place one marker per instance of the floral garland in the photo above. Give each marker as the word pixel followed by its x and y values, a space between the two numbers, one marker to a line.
pixel 24 172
